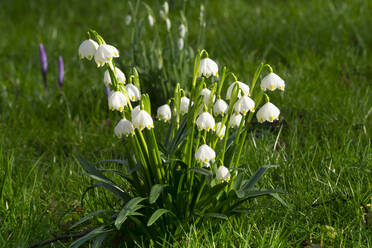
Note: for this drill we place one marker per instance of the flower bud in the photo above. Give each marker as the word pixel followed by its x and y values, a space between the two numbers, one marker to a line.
pixel 268 112
pixel 61 71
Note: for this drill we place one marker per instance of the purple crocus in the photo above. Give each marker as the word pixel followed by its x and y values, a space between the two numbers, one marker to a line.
pixel 43 63
pixel 61 71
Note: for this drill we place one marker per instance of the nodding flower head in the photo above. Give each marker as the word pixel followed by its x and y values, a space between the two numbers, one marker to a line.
pixel 272 82
pixel 117 101
pixel 205 121
pixel 241 87
pixel 208 68
pixel 184 106
pixel 220 107
pixel 166 7
pixel 223 174
pixel 133 92
pixel 87 49
pixel 182 30
pixel 104 54
pixel 164 112
pixel 143 120
pixel 128 19
pixel 205 154
pixel 120 75
pixel 124 127
pixel 220 130
pixel 168 23
pixel 180 43
pixel 206 93
pixel 235 120
pixel 268 112
pixel 151 20
pixel 244 105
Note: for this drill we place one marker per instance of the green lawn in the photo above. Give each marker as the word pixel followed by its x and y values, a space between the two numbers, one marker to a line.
pixel 322 49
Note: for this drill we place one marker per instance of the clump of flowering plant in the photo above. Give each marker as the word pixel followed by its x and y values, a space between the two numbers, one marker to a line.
pixel 192 172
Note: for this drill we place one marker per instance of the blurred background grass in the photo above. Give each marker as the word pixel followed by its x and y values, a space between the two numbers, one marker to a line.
pixel 321 48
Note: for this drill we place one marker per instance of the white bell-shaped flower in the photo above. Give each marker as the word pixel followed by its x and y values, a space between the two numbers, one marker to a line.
pixel 208 68
pixel 182 30
pixel 166 7
pixel 168 23
pixel 105 53
pixel 223 174
pixel 117 101
pixel 124 127
pixel 151 20
pixel 164 112
pixel 272 82
pixel 205 121
pixel 143 120
pixel 135 111
pixel 180 43
pixel 119 74
pixel 268 112
pixel 243 105
pixel 87 49
pixel 220 107
pixel 133 92
pixel 205 154
pixel 235 120
pixel 184 105
pixel 242 87
pixel 206 93
pixel 128 19
pixel 220 130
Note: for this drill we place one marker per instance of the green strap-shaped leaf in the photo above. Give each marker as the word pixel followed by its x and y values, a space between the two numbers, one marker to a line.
pixel 92 171
pixel 88 217
pixel 97 243
pixel 216 215
pixel 156 215
pixel 94 233
pixel 202 171
pixel 257 175
pixel 128 209
pixel 155 192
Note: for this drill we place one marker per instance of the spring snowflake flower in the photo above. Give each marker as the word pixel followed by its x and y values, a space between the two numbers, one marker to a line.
pixel 133 92
pixel 268 112
pixel 205 154
pixel 206 93
pixel 128 19
pixel 244 104
pixel 220 130
pixel 166 7
pixel 182 30
pixel 87 49
pixel 235 120
pixel 117 101
pixel 164 112
pixel 105 53
pixel 180 43
pixel 220 107
pixel 223 174
pixel 124 127
pixel 119 74
pixel 205 121
pixel 168 23
pixel 242 87
pixel 143 120
pixel 135 111
pixel 272 82
pixel 184 106
pixel 208 68
pixel 151 20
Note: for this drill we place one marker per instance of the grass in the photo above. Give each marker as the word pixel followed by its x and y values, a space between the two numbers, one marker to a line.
pixel 321 48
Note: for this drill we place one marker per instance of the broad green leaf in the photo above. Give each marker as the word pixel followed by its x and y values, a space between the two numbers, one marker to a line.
pixel 92 172
pixel 88 217
pixel 114 189
pixel 127 211
pixel 94 233
pixel 156 215
pixel 257 175
pixel 238 181
pixel 155 192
